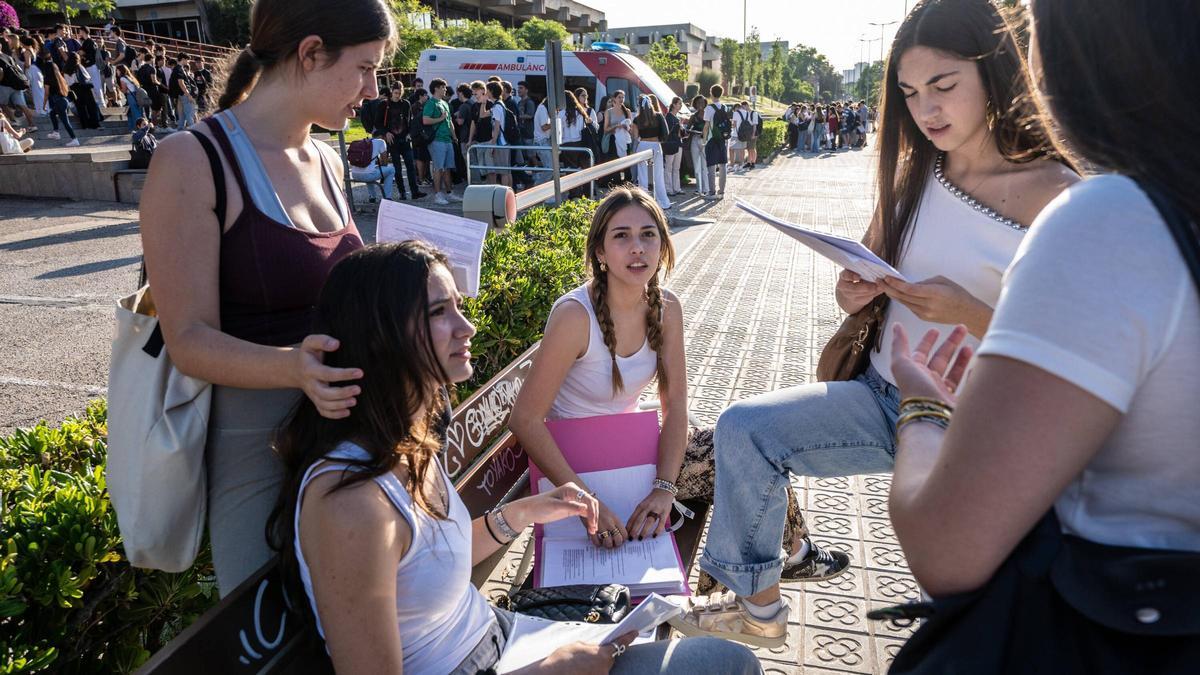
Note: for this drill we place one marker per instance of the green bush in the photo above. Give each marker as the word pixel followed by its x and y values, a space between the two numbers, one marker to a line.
pixel 773 136
pixel 69 600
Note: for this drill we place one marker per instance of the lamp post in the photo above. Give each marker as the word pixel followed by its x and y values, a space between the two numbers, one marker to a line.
pixel 881 27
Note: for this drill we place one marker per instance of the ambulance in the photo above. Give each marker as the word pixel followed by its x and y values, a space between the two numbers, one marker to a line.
pixel 604 69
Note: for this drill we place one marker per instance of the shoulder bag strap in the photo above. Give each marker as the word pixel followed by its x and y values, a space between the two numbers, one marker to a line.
pixel 1185 232
pixel 218 174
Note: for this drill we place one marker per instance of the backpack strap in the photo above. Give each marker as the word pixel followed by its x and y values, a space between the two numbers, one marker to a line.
pixel 1185 233
pixel 218 174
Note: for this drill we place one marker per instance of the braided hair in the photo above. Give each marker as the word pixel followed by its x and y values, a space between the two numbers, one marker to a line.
pixel 617 199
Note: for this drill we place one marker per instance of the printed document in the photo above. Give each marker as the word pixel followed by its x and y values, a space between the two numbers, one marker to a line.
pixel 567 556
pixel 461 239
pixel 847 253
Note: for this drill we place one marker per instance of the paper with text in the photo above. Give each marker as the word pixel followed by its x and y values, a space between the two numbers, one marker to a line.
pixel 461 239
pixel 847 253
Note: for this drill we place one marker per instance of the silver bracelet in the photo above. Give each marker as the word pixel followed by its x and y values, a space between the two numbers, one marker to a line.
pixel 665 485
pixel 502 524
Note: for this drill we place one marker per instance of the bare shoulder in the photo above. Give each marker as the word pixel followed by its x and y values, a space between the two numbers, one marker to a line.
pixel 330 153
pixel 358 509
pixel 568 326
pixel 179 183
pixel 672 306
pixel 1036 184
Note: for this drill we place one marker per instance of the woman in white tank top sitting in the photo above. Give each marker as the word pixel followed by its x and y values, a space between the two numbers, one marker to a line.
pixel 964 167
pixel 605 342
pixel 368 521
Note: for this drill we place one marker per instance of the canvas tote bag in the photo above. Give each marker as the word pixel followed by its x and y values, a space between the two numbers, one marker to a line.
pixel 157 425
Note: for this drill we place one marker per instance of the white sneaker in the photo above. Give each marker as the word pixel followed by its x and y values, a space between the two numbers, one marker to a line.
pixel 453 197
pixel 74 142
pixel 53 135
pixel 440 199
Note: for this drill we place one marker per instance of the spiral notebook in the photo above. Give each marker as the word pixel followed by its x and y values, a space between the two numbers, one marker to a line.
pixel 616 456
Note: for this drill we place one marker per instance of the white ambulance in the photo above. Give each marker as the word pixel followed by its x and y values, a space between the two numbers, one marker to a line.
pixel 604 69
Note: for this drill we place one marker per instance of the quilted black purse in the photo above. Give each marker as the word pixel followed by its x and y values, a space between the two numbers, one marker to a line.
pixel 582 602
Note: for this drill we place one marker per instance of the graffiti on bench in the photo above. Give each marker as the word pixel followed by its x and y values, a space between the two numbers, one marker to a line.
pixel 267 646
pixel 478 419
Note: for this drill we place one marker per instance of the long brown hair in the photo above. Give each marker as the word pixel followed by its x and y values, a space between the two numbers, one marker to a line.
pixel 617 199
pixel 1107 67
pixel 278 26
pixel 375 303
pixel 969 29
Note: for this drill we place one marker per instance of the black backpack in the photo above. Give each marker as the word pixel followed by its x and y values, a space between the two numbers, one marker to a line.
pixel 721 122
pixel 745 131
pixel 421 134
pixel 512 130
pixel 11 74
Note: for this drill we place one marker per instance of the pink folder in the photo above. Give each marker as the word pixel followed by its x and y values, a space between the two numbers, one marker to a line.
pixel 598 444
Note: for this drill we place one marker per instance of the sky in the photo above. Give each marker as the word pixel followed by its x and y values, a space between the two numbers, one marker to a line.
pixel 834 28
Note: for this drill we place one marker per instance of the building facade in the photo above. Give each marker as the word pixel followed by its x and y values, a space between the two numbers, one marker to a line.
pixel 695 44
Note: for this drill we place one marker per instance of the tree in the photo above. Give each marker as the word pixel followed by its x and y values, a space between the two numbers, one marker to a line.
pixel 533 33
pixel 413 32
pixel 228 21
pixel 72 8
pixel 751 70
pixel 867 87
pixel 730 56
pixel 477 35
pixel 773 73
pixel 706 79
pixel 665 59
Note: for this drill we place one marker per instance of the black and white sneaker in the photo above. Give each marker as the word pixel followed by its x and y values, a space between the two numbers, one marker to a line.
pixel 818 565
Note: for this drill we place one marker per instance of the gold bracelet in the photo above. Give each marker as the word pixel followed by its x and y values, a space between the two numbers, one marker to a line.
pixel 927 401
pixel 940 419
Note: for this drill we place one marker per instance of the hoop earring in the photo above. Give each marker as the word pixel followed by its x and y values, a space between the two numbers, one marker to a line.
pixel 603 266
pixel 990 115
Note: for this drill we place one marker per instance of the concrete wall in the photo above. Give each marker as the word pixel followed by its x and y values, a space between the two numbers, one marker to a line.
pixel 67 176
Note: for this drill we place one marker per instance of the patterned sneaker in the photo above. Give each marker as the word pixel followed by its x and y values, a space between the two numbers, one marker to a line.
pixel 818 565
pixel 723 615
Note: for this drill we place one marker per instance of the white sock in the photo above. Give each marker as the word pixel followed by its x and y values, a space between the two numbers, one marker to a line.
pixel 763 612
pixel 804 549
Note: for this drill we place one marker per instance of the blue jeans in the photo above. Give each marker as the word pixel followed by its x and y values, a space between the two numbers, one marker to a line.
pixel 384 174
pixel 820 430
pixel 135 111
pixel 58 112
pixel 818 131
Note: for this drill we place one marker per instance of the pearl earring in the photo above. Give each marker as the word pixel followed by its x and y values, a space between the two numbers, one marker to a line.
pixel 603 266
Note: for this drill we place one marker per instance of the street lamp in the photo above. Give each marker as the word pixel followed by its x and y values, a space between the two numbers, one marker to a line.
pixel 881 27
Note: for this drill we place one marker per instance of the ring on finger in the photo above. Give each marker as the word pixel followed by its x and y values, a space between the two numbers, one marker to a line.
pixel 604 535
pixel 580 495
pixel 618 649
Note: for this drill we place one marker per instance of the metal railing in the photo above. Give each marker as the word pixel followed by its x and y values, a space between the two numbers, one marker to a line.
pixel 540 193
pixel 486 168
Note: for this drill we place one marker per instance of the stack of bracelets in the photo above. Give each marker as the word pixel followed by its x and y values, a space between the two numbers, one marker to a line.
pixel 925 409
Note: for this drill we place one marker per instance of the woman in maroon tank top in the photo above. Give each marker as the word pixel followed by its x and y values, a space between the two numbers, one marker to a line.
pixel 238 242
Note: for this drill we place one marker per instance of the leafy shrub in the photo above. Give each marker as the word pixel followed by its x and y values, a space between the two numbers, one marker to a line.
pixel 69 600
pixel 772 138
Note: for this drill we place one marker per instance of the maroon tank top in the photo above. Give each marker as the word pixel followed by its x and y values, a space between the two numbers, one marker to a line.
pixel 272 273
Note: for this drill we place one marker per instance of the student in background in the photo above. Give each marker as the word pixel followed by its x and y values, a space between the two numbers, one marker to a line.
pixel 695 144
pixel 716 142
pixel 56 93
pixel 380 169
pixel 392 119
pixel 436 113
pixel 604 343
pixel 672 145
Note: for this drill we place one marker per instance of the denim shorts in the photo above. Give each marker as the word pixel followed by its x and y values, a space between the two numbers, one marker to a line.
pixel 441 153
pixel 10 96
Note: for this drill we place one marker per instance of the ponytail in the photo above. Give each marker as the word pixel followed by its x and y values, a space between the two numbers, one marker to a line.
pixel 242 75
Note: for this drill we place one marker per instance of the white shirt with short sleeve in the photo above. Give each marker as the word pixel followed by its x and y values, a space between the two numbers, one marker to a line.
pixel 541 117
pixel 1099 295
pixel 570 133
pixel 498 113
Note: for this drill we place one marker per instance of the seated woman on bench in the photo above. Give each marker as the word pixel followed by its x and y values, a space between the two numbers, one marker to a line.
pixel 370 524
pixel 605 341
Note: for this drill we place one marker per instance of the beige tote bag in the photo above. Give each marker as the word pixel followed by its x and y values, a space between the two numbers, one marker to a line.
pixel 157 424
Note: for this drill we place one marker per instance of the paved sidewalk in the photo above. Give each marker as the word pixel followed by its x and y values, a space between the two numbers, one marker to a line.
pixel 758 307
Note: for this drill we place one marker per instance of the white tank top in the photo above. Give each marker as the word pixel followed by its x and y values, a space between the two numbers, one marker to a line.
pixel 440 615
pixel 956 237
pixel 587 389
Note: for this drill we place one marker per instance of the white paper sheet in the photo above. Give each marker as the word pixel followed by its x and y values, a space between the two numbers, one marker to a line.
pixel 620 489
pixel 461 239
pixel 847 253
pixel 533 639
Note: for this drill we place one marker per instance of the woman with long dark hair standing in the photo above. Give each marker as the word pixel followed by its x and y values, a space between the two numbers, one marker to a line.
pixel 671 147
pixel 1079 417
pixel 80 83
pixel 242 218
pixel 57 92
pixel 964 168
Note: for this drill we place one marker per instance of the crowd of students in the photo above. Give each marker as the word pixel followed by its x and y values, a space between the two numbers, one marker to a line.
pixel 834 126
pixel 1068 299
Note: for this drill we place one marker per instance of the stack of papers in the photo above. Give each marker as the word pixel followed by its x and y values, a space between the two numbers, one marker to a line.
pixel 847 253
pixel 461 239
pixel 566 555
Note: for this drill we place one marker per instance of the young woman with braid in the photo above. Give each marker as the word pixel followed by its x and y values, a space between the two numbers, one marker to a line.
pixel 604 343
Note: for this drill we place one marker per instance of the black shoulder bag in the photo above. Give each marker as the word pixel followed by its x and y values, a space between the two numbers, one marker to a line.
pixel 1060 604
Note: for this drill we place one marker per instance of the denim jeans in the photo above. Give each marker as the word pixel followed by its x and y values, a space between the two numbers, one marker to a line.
pixel 818 132
pixel 135 110
pixel 384 174
pixel 402 151
pixel 185 115
pixel 58 113
pixel 819 430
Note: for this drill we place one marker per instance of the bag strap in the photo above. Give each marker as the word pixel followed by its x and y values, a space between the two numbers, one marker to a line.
pixel 218 174
pixel 1182 229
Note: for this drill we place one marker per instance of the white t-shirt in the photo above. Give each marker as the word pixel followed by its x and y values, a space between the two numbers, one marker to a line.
pixel 571 133
pixel 1099 295
pixel 498 113
pixel 128 85
pixel 378 147
pixel 540 118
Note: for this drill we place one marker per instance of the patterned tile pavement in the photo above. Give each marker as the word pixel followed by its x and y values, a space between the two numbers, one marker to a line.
pixel 758 308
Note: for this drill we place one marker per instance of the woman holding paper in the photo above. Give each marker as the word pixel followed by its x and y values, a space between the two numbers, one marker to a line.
pixel 241 219
pixel 369 524
pixel 964 167
pixel 605 342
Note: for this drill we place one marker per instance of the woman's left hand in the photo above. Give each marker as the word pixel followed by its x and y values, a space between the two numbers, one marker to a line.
pixel 937 300
pixel 925 372
pixel 563 501
pixel 649 519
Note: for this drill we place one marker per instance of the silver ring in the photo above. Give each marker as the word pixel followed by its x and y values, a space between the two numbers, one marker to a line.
pixel 580 495
pixel 618 649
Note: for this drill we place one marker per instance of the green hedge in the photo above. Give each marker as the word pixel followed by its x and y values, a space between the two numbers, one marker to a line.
pixel 71 603
pixel 772 138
